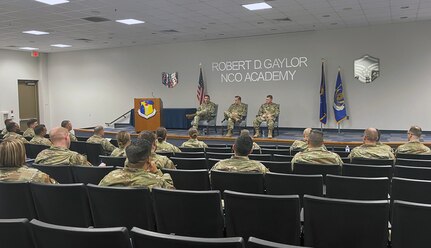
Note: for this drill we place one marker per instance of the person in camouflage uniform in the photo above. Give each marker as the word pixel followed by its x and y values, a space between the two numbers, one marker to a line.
pixel 68 125
pixel 159 160
pixel 316 153
pixel 301 145
pixel 39 137
pixel 235 113
pixel 206 111
pixel 4 131
pixel 240 161
pixel 139 170
pixel 267 112
pixel 12 164
pixel 247 133
pixel 123 139
pixel 12 132
pixel 31 124
pixel 370 149
pixel 193 142
pixel 413 146
pixel 162 144
pixel 59 153
pixel 98 138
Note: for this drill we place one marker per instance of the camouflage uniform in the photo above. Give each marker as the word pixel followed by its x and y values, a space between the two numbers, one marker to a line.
pixel 413 147
pixel 60 156
pixel 271 109
pixel 371 152
pixel 107 147
pixel 205 111
pixel 318 155
pixel 119 152
pixel 24 174
pixel 194 143
pixel 72 137
pixel 29 133
pixel 240 164
pixel 166 147
pixel 161 161
pixel 256 146
pixel 298 145
pixel 12 135
pixel 387 147
pixel 37 140
pixel 235 114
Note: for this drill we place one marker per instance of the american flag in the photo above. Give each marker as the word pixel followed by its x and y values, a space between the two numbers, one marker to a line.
pixel 201 88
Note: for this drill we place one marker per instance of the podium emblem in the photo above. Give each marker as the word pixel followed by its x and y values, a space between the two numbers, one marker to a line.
pixel 147 109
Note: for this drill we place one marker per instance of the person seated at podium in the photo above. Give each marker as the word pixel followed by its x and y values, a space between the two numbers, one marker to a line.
pixel 159 160
pixel 234 114
pixel 39 137
pixel 370 149
pixel 13 132
pixel 413 146
pixel 123 139
pixel 68 125
pixel 162 144
pixel 193 142
pixel 205 111
pixel 301 145
pixel 31 124
pixel 98 138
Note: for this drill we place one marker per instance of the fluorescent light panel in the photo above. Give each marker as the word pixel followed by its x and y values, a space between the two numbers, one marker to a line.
pixel 29 48
pixel 130 21
pixel 60 45
pixel 257 6
pixel 52 2
pixel 35 32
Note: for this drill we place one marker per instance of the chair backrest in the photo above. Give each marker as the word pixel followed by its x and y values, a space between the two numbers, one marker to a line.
pixel 189 155
pixel 188 213
pixel 414 156
pixel 62 204
pixel 411 190
pixel 211 162
pixel 93 152
pixel 275 151
pixel 272 147
pixel 81 138
pixel 90 174
pixel 78 146
pixel 421 173
pixel 342 154
pixel 357 188
pixel 413 162
pixel 55 236
pixel 32 150
pixel 260 157
pixel 61 173
pixel 278 166
pixel 143 239
pixel 121 206
pixel 167 154
pixel 192 149
pixel 279 157
pixel 114 142
pixel 345 223
pixel 189 179
pixel 15 233
pixel 113 161
pixel 274 218
pixel 314 169
pixel 359 170
pixel 410 224
pixel 215 155
pixel 190 163
pixel 372 161
pixel 237 181
pixel 16 201
pixel 216 145
pixel 219 149
pixel 260 243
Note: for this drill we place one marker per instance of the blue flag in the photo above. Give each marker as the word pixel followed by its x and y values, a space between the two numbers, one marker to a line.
pixel 323 112
pixel 339 104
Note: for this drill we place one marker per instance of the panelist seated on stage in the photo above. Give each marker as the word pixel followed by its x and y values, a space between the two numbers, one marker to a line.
pixel 39 137
pixel 301 145
pixel 267 112
pixel 193 142
pixel 316 152
pixel 162 144
pixel 98 138
pixel 13 132
pixel 68 125
pixel 31 124
pixel 369 149
pixel 159 160
pixel 123 139
pixel 59 153
pixel 234 114
pixel 413 146
pixel 206 111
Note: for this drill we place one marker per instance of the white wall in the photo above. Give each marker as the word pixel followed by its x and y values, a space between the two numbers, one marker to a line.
pixel 96 86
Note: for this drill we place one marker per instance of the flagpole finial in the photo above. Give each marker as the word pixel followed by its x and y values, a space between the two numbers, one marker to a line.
pixel 200 64
pixel 323 60
pixel 339 68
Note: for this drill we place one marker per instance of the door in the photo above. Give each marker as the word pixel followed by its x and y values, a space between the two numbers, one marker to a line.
pixel 28 101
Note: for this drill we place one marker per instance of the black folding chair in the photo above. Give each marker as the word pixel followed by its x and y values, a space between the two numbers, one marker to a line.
pixel 278 166
pixel 192 149
pixel 260 157
pixel 279 157
pixel 78 146
pixel 32 150
pixel 421 173
pixel 218 155
pixel 90 174
pixel 189 155
pixel 414 156
pixel 190 163
pixel 411 190
pixel 93 153
pixel 275 151
pixel 313 169
pixel 237 181
pixel 15 233
pixel 113 161
pixel 16 201
pixel 413 162
pixel 362 170
pixel 218 149
pixel 61 173
pixel 357 188
pixel 372 161
pixel 189 179
pixel 260 243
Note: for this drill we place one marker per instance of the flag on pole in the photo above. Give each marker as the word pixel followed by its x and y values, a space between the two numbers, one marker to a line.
pixel 339 104
pixel 323 112
pixel 201 87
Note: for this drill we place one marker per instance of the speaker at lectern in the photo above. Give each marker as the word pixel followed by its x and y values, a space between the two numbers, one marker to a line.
pixel 148 114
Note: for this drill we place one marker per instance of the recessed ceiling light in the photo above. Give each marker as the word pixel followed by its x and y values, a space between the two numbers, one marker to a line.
pixel 29 48
pixel 404 17
pixel 257 6
pixel 130 21
pixel 260 22
pixel 326 16
pixel 404 7
pixel 60 45
pixel 52 2
pixel 35 32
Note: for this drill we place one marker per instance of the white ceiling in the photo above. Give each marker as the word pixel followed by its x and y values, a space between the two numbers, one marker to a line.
pixel 193 19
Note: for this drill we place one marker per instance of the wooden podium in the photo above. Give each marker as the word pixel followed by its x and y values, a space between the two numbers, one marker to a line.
pixel 148 114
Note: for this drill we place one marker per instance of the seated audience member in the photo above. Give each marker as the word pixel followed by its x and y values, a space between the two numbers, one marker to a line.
pixel 39 137
pixel 123 139
pixel 193 142
pixel 247 133
pixel 159 160
pixel 98 138
pixel 162 145
pixel 139 170
pixel 68 125
pixel 31 124
pixel 12 164
pixel 13 132
pixel 240 162
pixel 316 152
pixel 4 131
pixel 59 153
pixel 378 143
pixel 301 145
pixel 369 149
pixel 413 146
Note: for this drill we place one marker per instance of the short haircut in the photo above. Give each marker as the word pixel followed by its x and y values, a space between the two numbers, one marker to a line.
pixel 12 153
pixel 31 122
pixel 371 134
pixel 7 121
pixel 39 129
pixel 57 134
pixel 207 96
pixel 269 96
pixel 161 133
pixel 64 123
pixel 138 150
pixel 123 138
pixel 238 97
pixel 11 126
pixel 416 131
pixel 245 132
pixel 98 129
pixel 193 133
pixel 243 145
pixel 148 136
pixel 316 138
